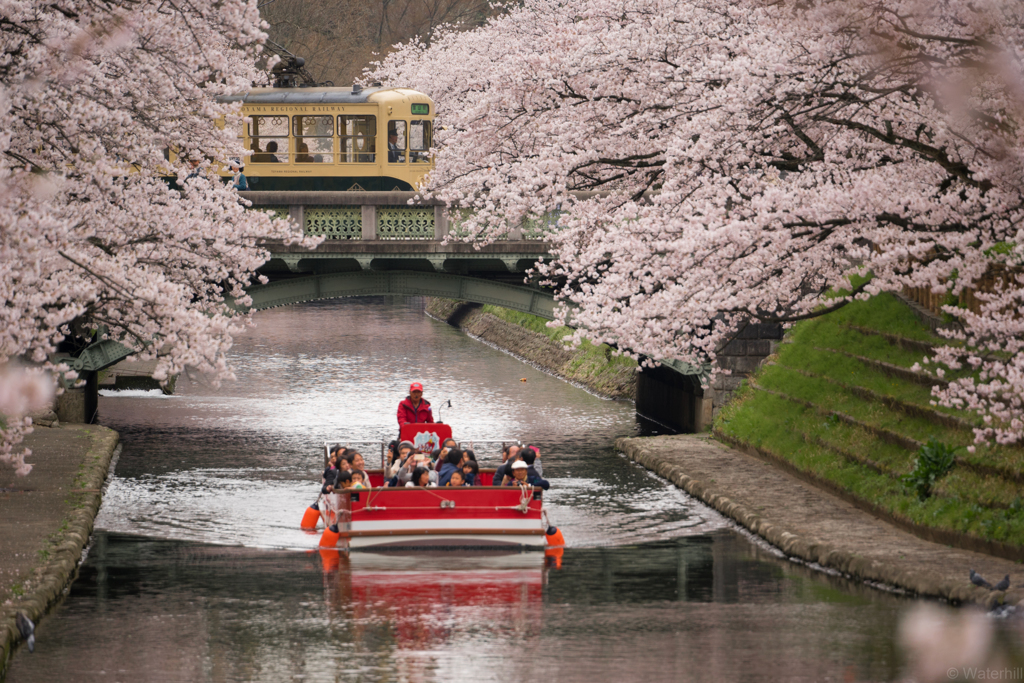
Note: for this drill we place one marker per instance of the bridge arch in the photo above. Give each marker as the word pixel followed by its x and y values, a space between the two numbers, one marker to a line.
pixel 405 283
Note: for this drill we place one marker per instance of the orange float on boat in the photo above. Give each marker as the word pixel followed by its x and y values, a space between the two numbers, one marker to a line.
pixel 311 517
pixel 329 539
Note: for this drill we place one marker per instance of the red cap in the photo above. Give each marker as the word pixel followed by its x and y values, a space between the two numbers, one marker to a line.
pixel 415 386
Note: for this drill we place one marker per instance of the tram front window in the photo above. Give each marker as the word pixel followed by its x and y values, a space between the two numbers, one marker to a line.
pixel 396 141
pixel 314 139
pixel 419 141
pixel 358 139
pixel 268 136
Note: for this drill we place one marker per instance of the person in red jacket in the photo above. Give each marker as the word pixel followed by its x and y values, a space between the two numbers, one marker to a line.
pixel 414 408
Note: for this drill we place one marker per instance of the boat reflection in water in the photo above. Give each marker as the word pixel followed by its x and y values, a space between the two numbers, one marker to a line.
pixel 415 586
pixel 421 599
pixel 711 607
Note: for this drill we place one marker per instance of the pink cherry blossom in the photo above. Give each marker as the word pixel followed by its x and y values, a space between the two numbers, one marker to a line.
pixel 745 158
pixel 91 234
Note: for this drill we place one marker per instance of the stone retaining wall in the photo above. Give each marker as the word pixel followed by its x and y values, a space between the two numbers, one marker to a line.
pixel 537 349
pixel 61 553
pixel 816 527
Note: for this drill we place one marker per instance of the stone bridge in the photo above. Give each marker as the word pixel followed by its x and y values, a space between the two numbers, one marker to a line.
pixel 379 243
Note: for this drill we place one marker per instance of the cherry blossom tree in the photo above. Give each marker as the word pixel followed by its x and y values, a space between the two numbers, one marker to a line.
pixel 98 229
pixel 744 159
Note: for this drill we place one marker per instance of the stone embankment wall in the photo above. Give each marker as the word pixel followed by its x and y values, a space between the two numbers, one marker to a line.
pixel 593 371
pixel 742 357
pixel 48 517
pixel 811 525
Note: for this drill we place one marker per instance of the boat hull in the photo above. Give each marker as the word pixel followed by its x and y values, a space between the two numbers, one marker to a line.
pixel 467 517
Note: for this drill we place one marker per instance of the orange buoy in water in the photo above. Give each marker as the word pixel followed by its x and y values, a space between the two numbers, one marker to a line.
pixel 311 517
pixel 554 537
pixel 331 559
pixel 330 537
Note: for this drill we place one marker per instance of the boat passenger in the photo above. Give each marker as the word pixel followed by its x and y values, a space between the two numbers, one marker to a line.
pixel 522 477
pixel 456 479
pixel 405 451
pixel 531 456
pixel 528 455
pixel 452 463
pixel 510 452
pixel 420 477
pixel 403 461
pixel 416 461
pixel 442 457
pixel 344 463
pixel 357 460
pixel 332 469
pixel 358 479
pixel 414 409
pixel 470 471
pixel 342 480
pixel 509 455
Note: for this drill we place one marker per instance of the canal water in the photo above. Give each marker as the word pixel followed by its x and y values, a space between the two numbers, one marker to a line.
pixel 198 570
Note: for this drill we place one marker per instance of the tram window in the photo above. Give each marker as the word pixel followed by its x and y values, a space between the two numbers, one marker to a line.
pixel 358 139
pixel 419 141
pixel 396 141
pixel 314 139
pixel 269 139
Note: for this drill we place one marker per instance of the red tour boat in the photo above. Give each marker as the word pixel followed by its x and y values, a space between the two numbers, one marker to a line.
pixel 481 516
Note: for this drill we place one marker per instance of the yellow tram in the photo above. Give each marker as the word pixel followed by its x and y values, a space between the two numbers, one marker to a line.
pixel 327 138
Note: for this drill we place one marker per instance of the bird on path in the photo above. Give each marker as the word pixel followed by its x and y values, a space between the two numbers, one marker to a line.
pixel 977 580
pixel 27 630
pixel 1004 584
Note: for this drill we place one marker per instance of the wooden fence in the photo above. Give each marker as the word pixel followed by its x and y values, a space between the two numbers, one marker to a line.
pixel 997 273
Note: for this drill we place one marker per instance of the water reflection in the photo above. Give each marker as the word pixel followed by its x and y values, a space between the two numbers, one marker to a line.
pixel 712 607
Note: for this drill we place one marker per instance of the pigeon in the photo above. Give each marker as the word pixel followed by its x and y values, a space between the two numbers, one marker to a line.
pixel 1004 584
pixel 977 580
pixel 27 630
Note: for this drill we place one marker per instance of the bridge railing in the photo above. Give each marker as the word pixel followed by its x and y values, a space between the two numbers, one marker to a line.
pixel 375 216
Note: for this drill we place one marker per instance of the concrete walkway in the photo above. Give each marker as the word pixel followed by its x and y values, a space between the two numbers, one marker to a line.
pixel 815 526
pixel 47 517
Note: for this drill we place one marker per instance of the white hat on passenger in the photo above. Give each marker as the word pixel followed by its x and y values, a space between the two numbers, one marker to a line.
pixel 519 465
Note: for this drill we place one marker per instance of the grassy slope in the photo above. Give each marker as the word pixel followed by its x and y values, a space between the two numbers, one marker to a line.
pixel 809 407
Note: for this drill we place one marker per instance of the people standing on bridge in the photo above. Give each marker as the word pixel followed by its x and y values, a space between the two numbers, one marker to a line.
pixel 414 409
pixel 238 180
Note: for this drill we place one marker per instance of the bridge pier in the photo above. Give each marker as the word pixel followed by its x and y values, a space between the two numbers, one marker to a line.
pixel 79 406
